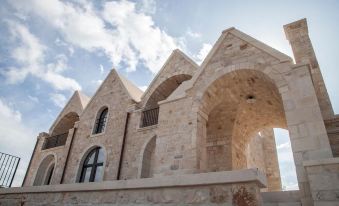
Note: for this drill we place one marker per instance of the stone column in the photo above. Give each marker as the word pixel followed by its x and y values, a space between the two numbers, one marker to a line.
pixel 201 122
pixel 305 123
pixel 262 154
pixel 297 34
pixel 271 160
pixel 61 163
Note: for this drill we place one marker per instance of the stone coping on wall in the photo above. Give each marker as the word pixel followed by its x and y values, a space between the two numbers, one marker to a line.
pixel 281 196
pixel 140 129
pixel 226 177
pixel 327 161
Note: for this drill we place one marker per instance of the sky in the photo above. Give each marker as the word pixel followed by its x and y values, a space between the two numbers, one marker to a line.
pixel 51 48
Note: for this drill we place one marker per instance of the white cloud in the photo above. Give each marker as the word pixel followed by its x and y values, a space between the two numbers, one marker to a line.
pixel 143 88
pixel 31 58
pixel 286 145
pixel 16 138
pixel 193 34
pixel 148 6
pixel 130 38
pixel 140 39
pixel 292 186
pixel 62 43
pixel 97 82
pixel 101 68
pixel 34 99
pixel 71 50
pixel 60 65
pixel 286 160
pixel 7 112
pixel 59 42
pixel 58 99
pixel 205 49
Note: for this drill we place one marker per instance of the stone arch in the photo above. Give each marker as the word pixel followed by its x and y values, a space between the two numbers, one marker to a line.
pixel 83 156
pixel 235 107
pixel 161 92
pixel 164 89
pixel 44 170
pixel 147 158
pixel 65 124
pixel 275 74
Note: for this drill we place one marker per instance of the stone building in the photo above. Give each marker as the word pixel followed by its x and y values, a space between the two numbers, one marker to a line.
pixel 198 135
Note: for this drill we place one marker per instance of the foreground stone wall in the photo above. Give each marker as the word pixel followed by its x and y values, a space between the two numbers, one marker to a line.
pixel 281 198
pixel 221 188
pixel 323 177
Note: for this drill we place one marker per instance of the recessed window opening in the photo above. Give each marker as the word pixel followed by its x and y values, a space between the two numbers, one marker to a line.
pixel 101 121
pixel 92 169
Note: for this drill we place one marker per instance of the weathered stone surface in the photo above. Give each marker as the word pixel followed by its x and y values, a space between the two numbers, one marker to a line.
pixel 223 188
pixel 199 119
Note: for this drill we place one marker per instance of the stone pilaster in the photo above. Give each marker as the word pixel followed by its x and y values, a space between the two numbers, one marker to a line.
pixel 297 35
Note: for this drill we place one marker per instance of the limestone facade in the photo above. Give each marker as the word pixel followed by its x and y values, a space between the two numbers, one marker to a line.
pixel 192 119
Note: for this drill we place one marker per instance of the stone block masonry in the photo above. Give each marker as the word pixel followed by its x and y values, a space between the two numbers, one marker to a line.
pixel 195 135
pixel 221 188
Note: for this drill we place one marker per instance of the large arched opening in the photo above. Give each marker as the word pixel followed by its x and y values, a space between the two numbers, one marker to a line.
pixel 150 113
pixel 65 123
pixel 59 133
pixel 239 106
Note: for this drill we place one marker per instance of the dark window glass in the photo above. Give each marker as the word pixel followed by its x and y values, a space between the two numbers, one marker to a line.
pixel 92 170
pixel 101 122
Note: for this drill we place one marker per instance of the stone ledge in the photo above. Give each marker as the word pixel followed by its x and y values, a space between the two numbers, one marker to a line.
pixel 281 196
pixel 228 177
pixel 140 129
pixel 327 161
pixel 61 147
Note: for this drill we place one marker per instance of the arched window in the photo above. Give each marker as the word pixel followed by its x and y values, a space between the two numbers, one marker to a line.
pixel 101 122
pixel 92 169
pixel 44 174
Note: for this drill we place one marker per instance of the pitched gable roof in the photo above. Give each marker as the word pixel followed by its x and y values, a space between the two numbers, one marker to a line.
pixel 173 55
pixel 260 45
pixel 250 40
pixel 134 92
pixel 76 103
pixel 83 99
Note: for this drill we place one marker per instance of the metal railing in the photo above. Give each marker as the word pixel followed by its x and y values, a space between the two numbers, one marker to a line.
pixel 8 166
pixel 55 141
pixel 150 117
